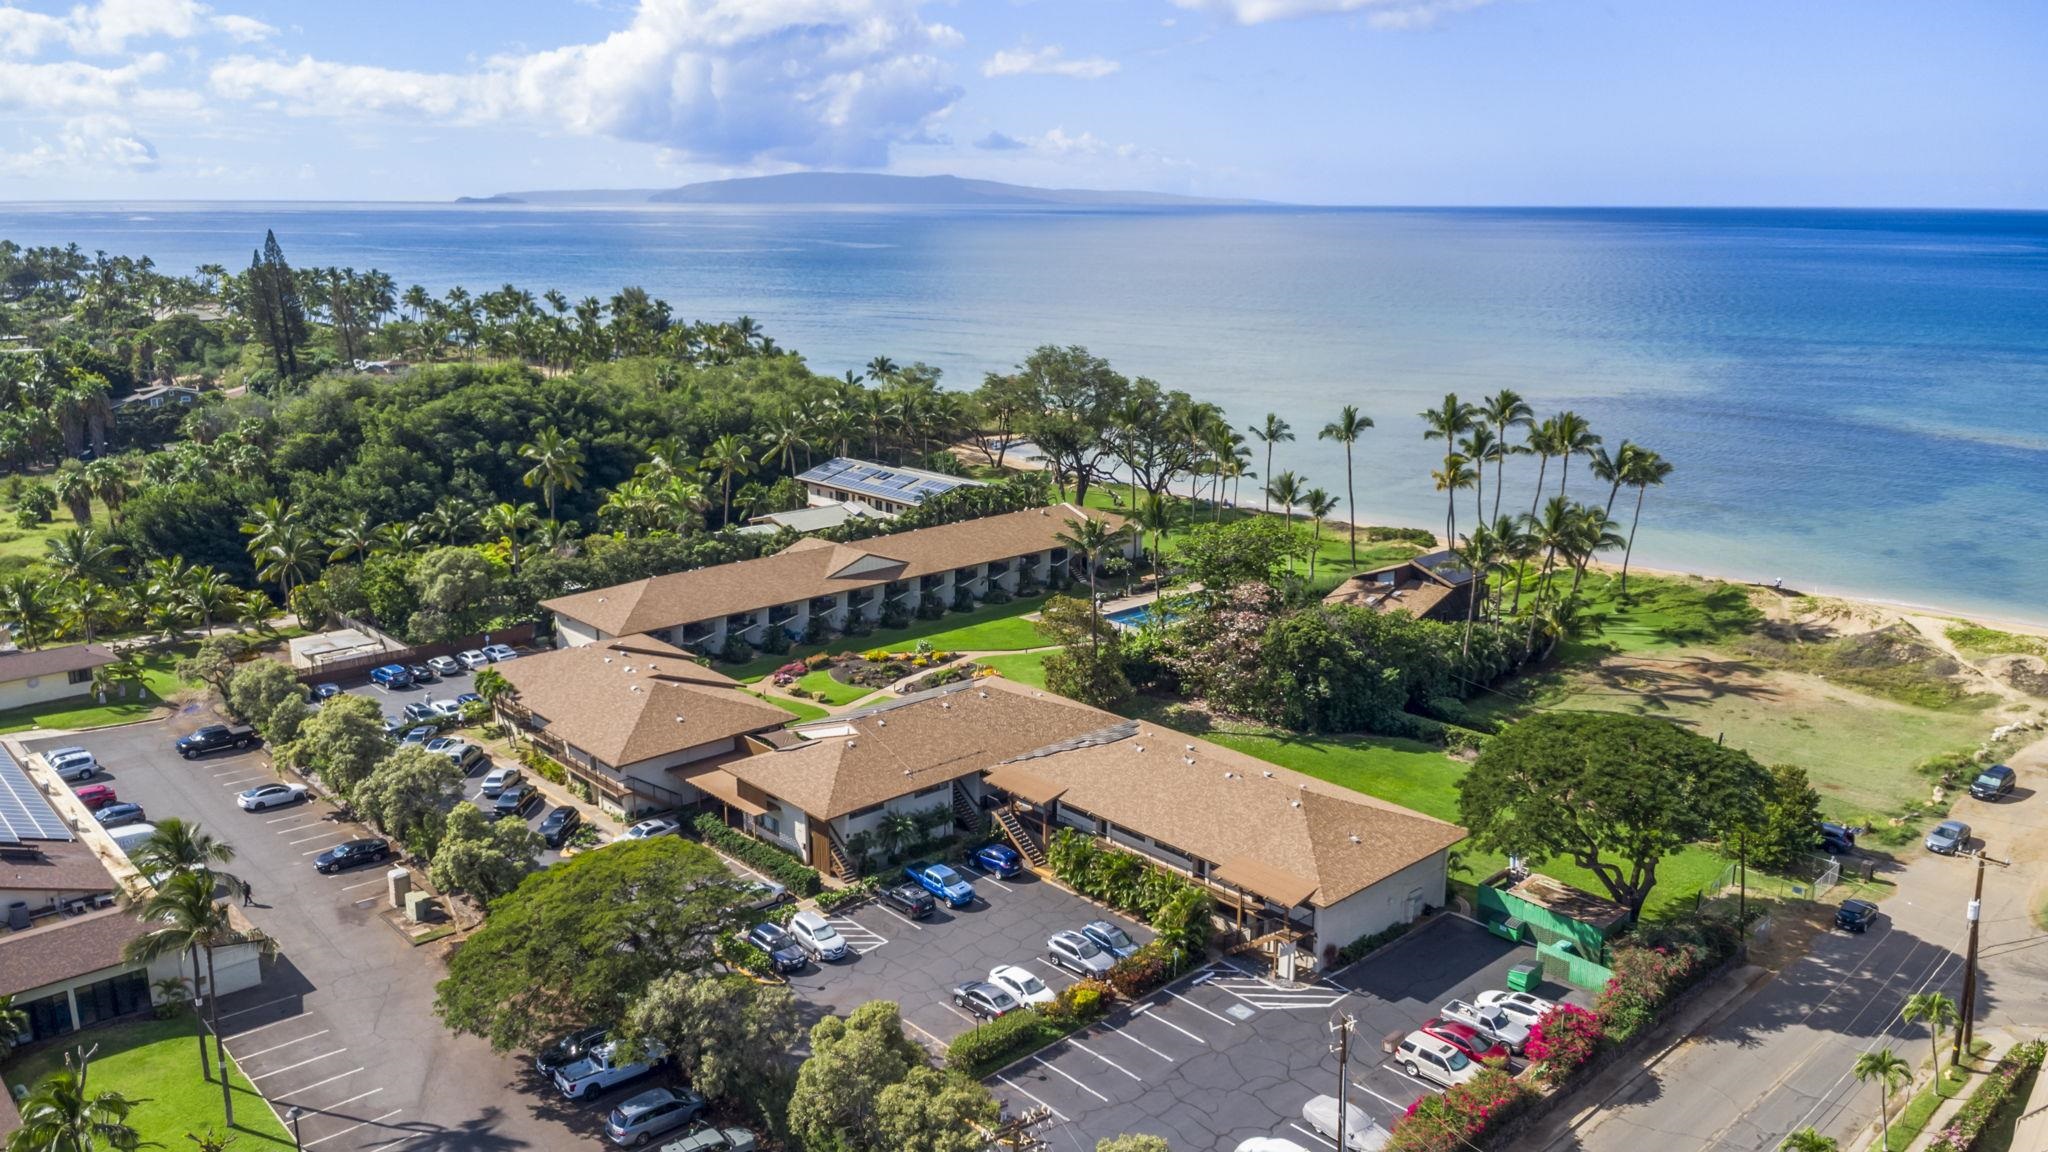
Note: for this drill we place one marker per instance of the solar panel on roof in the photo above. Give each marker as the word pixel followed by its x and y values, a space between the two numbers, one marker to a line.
pixel 24 814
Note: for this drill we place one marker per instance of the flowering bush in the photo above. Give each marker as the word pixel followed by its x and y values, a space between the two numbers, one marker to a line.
pixel 1566 1037
pixel 1458 1117
pixel 817 660
pixel 1984 1104
pixel 1644 979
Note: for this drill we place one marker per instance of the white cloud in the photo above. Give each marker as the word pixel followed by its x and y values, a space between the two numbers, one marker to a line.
pixel 245 29
pixel 97 144
pixel 1046 61
pixel 70 86
pixel 1380 13
pixel 107 27
pixel 996 141
pixel 731 81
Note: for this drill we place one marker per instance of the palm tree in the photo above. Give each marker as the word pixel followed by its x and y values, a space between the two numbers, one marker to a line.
pixel 289 560
pixel 1319 504
pixel 782 441
pixel 398 539
pixel 89 604
pixel 1939 1012
pixel 1646 470
pixel 60 1117
pixel 26 602
pixel 178 846
pixel 1287 489
pixel 510 522
pixel 1273 431
pixel 1481 447
pixel 1887 1068
pixel 1089 539
pixel 1455 476
pixel 1503 410
pixel 75 491
pixel 1592 533
pixel 13 1023
pixel 1808 1140
pixel 449 520
pixel 354 540
pixel 108 480
pixel 557 466
pixel 1613 469
pixel 1574 438
pixel 81 554
pixel 898 831
pixel 727 457
pixel 1543 441
pixel 187 918
pixel 881 368
pixel 210 594
pixel 1345 430
pixel 1480 554
pixel 1157 513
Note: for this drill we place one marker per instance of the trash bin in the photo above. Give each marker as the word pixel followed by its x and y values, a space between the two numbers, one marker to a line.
pixel 1510 928
pixel 1525 976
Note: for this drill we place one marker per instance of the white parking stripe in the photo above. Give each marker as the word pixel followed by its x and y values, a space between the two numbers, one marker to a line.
pixel 244 1056
pixel 898 915
pixel 962 1013
pixel 1069 1079
pixel 319 1083
pixel 1141 1044
pixel 394 1142
pixel 1318 1137
pixel 317 836
pixel 1397 1070
pixel 347 1102
pixel 364 884
pixel 1071 1042
pixel 908 1023
pixel 992 880
pixel 353 1127
pixel 1053 968
pixel 1147 1010
pixel 1377 1096
pixel 230 771
pixel 1199 1008
pixel 259 1007
pixel 1035 1100
pixel 282 819
pixel 246 780
pixel 300 1064
pixel 314 823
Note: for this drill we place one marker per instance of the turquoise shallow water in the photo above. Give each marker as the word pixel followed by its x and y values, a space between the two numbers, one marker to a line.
pixel 1857 402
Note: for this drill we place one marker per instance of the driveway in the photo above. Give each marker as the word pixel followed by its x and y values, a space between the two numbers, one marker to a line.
pixel 343 1027
pixel 1225 1054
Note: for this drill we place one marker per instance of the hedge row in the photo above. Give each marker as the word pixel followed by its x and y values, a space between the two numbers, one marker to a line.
pixel 857 892
pixel 1010 1037
pixel 1991 1097
pixel 784 868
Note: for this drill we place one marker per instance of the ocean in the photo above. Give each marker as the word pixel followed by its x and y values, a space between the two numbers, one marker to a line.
pixel 1856 402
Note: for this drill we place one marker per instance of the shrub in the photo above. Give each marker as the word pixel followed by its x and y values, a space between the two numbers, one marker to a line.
pixel 1984 1105
pixel 1565 1037
pixel 1142 971
pixel 781 866
pixel 1458 1117
pixel 837 898
pixel 1080 1002
pixel 856 625
pixel 988 1047
pixel 794 668
pixel 894 615
pixel 543 765
pixel 817 660
pixel 931 606
pixel 736 650
pixel 1359 947
pixel 1646 977
pixel 817 632
pixel 775 640
pixel 963 600
pixel 800 693
pixel 734 951
pixel 996 595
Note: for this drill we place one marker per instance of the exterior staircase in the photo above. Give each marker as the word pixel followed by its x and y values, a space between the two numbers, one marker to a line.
pixel 1020 836
pixel 966 817
pixel 842 860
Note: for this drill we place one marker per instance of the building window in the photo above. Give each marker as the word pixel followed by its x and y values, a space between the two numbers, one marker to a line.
pixel 109 999
pixel 769 824
pixel 79 676
pixel 870 810
pixel 47 1017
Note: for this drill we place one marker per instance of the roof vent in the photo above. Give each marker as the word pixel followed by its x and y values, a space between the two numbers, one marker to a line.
pixel 1294 803
pixel 1227 774
pixel 1268 773
pixel 633 688
pixel 679 719
pixel 1187 759
pixel 880 722
pixel 906 771
pixel 983 693
pixel 945 703
pixel 849 743
pixel 1191 747
pixel 607 659
pixel 1139 747
pixel 1355 839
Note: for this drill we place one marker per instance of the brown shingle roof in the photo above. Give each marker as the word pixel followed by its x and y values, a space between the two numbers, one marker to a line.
pixel 899 749
pixel 63 866
pixel 634 698
pixel 815 567
pixel 52 661
pixel 68 947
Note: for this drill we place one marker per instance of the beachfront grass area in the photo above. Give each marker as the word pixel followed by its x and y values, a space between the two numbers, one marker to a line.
pixel 1420 777
pixel 155 1064
pixel 1333 555
pixel 989 628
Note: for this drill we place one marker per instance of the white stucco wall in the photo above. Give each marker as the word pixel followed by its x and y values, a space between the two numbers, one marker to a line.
pixel 575 633
pixel 1383 905
pixel 851 826
pixel 41 690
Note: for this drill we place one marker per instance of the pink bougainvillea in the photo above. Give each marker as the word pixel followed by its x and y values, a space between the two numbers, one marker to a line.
pixel 1566 1037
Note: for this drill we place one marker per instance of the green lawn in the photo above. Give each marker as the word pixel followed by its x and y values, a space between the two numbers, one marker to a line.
pixel 158 677
pixel 834 692
pixel 801 709
pixel 1333 556
pixel 1023 667
pixel 989 628
pixel 154 1064
pixel 22 549
pixel 1420 777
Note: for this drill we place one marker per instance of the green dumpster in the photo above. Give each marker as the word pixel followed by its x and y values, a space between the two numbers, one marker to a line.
pixel 1511 928
pixel 1525 976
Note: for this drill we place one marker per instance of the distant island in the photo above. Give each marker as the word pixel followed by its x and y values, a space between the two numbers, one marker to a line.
pixel 855 188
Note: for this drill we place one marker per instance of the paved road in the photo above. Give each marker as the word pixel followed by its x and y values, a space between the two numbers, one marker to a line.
pixel 1781 1060
pixel 343 1025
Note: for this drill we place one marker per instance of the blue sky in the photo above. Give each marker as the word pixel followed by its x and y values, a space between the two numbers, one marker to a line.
pixel 1829 102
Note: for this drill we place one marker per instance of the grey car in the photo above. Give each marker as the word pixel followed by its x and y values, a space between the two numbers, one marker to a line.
pixel 1949 837
pixel 1078 954
pixel 637 1119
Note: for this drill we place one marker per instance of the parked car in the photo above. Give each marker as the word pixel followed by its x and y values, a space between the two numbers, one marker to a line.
pixel 569 1049
pixel 1949 837
pixel 419 735
pixel 466 757
pixel 1259 1144
pixel 1020 984
pixel 215 737
pixel 351 854
pixel 265 796
pixel 1360 1133
pixel 1109 938
pixel 325 692
pixel 393 727
pixel 119 813
pixel 783 950
pixel 501 779
pixel 390 676
pixel 1464 1037
pixel 637 1119
pixel 499 652
pixel 706 1138
pixel 984 1000
pixel 446 710
pixel 940 880
pixel 764 894
pixel 472 659
pixel 653 826
pixel 1835 840
pixel 1855 915
pixel 1490 1022
pixel 467 698
pixel 96 796
pixel 445 666
pixel 1994 783
pixel 72 764
pixel 559 824
pixel 421 673
pixel 596 1070
pixel 909 899
pixel 420 712
pixel 1427 1058
pixel 998 860
pixel 1524 1007
pixel 1078 954
pixel 817 936
pixel 516 800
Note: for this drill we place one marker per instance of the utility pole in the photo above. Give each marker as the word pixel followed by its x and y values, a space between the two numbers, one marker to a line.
pixel 1018 1134
pixel 1341 1024
pixel 1974 913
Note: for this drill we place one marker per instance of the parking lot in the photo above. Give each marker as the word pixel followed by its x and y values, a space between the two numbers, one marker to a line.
pixel 1224 1054
pixel 917 963
pixel 343 1025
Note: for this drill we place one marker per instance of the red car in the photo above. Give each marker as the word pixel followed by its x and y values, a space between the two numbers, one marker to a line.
pixel 97 796
pixel 1465 1038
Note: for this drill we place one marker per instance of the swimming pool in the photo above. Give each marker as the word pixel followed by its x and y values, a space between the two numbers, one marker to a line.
pixel 1140 616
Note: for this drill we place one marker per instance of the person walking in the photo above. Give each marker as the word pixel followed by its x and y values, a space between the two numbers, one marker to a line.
pixel 248 894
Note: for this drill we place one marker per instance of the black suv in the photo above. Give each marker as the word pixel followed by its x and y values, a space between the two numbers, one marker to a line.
pixel 1994 783
pixel 910 900
pixel 559 825
pixel 569 1049
pixel 351 853
pixel 1855 915
pixel 782 948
